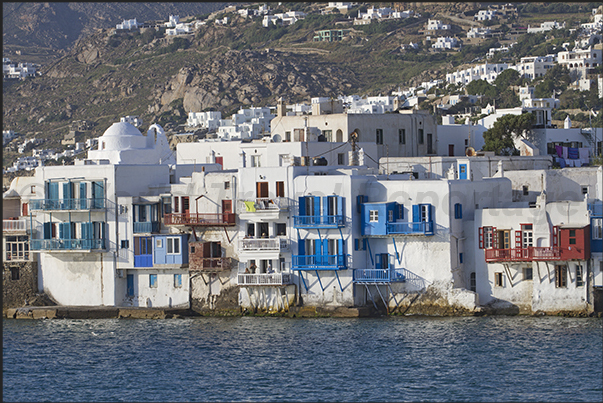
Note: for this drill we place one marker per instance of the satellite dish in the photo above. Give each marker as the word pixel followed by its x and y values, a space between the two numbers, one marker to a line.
pixel 470 152
pixel 277 138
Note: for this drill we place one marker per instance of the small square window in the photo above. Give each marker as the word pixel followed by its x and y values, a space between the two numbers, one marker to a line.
pixel 373 215
pixel 579 276
pixel 528 273
pixel 560 276
pixel 33 189
pixel 525 191
pixel 14 273
pixel 340 159
pixel 584 190
pixel 460 258
pixel 226 185
pixel 281 229
pixel 158 243
pixel 125 244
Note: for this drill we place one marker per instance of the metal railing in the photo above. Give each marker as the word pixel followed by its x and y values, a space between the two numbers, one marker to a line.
pixel 264 279
pixel 21 224
pixel 425 227
pixel 146 227
pixel 530 253
pixel 67 244
pixel 318 221
pixel 263 204
pixel 319 262
pixel 67 204
pixel 262 244
pixel 210 264
pixel 201 219
pixel 378 275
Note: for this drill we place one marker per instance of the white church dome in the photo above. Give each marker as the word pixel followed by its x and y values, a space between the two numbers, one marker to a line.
pixel 122 136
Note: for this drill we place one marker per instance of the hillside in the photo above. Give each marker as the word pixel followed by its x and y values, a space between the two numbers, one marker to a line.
pixel 104 76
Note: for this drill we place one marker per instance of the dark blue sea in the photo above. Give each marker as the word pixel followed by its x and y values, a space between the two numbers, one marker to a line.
pixel 485 359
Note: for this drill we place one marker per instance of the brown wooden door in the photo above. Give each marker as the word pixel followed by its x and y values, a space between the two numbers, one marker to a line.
pixel 185 205
pixel 451 150
pixel 280 189
pixel 227 215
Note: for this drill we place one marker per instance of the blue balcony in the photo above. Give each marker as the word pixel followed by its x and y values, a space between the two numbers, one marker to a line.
pixel 146 227
pixel 66 244
pixel 379 275
pixel 67 204
pixel 409 228
pixel 319 262
pixel 318 221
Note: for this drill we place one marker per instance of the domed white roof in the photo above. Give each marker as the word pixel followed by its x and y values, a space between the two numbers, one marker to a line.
pixel 122 129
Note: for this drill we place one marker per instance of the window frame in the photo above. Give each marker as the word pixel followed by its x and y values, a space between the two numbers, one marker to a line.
pixel 172 246
pixel 153 281
pixel 499 279
pixel 373 215
pixel 560 276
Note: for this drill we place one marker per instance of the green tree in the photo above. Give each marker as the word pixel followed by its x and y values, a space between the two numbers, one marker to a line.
pixel 507 78
pixel 500 137
pixel 481 87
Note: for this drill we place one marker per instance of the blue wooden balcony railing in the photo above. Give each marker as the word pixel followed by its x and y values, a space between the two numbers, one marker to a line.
pixel 67 204
pixel 319 262
pixel 318 221
pixel 404 228
pixel 67 244
pixel 379 275
pixel 146 227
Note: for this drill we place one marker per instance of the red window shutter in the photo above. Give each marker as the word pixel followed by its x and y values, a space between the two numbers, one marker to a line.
pixel 176 204
pixel 481 237
pixel 518 243
pixel 494 238
pixel 555 236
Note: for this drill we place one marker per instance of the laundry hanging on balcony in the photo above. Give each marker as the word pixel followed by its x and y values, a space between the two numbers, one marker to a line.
pixel 250 206
pixel 572 156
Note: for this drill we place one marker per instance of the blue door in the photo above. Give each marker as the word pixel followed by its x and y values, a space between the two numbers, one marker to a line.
pixel 130 285
pixel 143 251
pixel 98 194
pixel 462 171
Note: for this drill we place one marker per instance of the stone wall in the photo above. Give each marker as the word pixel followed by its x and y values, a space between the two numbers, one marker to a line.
pixel 19 284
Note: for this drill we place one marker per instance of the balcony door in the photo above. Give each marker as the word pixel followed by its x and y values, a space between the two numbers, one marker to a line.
pixel 261 190
pixel 212 251
pixel 143 251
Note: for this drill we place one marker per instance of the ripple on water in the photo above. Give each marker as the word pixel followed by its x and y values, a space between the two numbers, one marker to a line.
pixel 277 359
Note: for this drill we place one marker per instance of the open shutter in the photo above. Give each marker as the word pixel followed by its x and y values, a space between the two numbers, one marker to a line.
pixel 83 195
pixel 302 206
pixel 47 230
pixel 340 207
pixel 378 261
pixel 494 238
pixel 481 237
pixel 316 205
pixel 98 194
pixel 325 206
pixel 518 243
pixel 555 236
pixel 340 252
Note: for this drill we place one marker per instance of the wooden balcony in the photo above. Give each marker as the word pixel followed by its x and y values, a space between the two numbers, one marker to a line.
pixel 201 219
pixel 210 264
pixel 265 279
pixel 18 225
pixel 529 254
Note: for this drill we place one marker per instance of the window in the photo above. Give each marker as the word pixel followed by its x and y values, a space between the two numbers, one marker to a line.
pixel 328 135
pixel 560 276
pixel 125 244
pixel 488 237
pixel 373 215
pixel 472 282
pixel 527 235
pixel 458 211
pixel 390 216
pixel 152 280
pixel 340 159
pixel 572 237
pixel 17 248
pixel 287 136
pixel 14 273
pixel 597 228
pixel 498 279
pixel 584 190
pixel 379 136
pixel 226 185
pixel 461 257
pixel 177 280
pixel 400 211
pixel 280 189
pixel 281 229
pixel 525 191
pixel 176 204
pixel 173 245
pixel 528 273
pixel 421 139
pixel 158 243
pixel 360 244
pixel 33 189
pixel 402 136
pixel 579 276
pixel 255 161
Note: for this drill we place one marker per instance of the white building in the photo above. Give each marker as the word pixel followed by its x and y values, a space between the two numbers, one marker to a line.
pixel 581 62
pixel 478 32
pixel 135 121
pixel 485 15
pixel 446 43
pixel 546 26
pixel 436 25
pixel 534 66
pixel 284 19
pixel 204 120
pixel 486 71
pixel 128 25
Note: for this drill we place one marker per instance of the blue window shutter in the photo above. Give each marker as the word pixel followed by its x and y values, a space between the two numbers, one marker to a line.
pixel 301 247
pixel 340 206
pixel 302 206
pixel 340 247
pixel 83 203
pixel 356 243
pixel 460 210
pixel 317 206
pixel 416 213
pixel 325 247
pixel 84 230
pixel 130 285
pixel 47 230
pixel 61 235
pixel 66 190
pixel 378 261
pixel 53 190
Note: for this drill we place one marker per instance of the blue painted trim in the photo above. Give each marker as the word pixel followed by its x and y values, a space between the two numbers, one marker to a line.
pixel 396 249
pixel 369 251
pixel 319 282
pixel 303 281
pixel 340 287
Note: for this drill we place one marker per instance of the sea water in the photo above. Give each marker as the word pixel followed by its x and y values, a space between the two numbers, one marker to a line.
pixel 473 359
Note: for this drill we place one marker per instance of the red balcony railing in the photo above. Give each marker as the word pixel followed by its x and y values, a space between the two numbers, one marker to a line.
pixel 531 253
pixel 201 219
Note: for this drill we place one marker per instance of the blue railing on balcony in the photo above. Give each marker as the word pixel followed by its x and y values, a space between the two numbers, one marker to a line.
pixel 318 221
pixel 67 244
pixel 319 262
pixel 379 275
pixel 143 260
pixel 146 227
pixel 67 204
pixel 425 227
